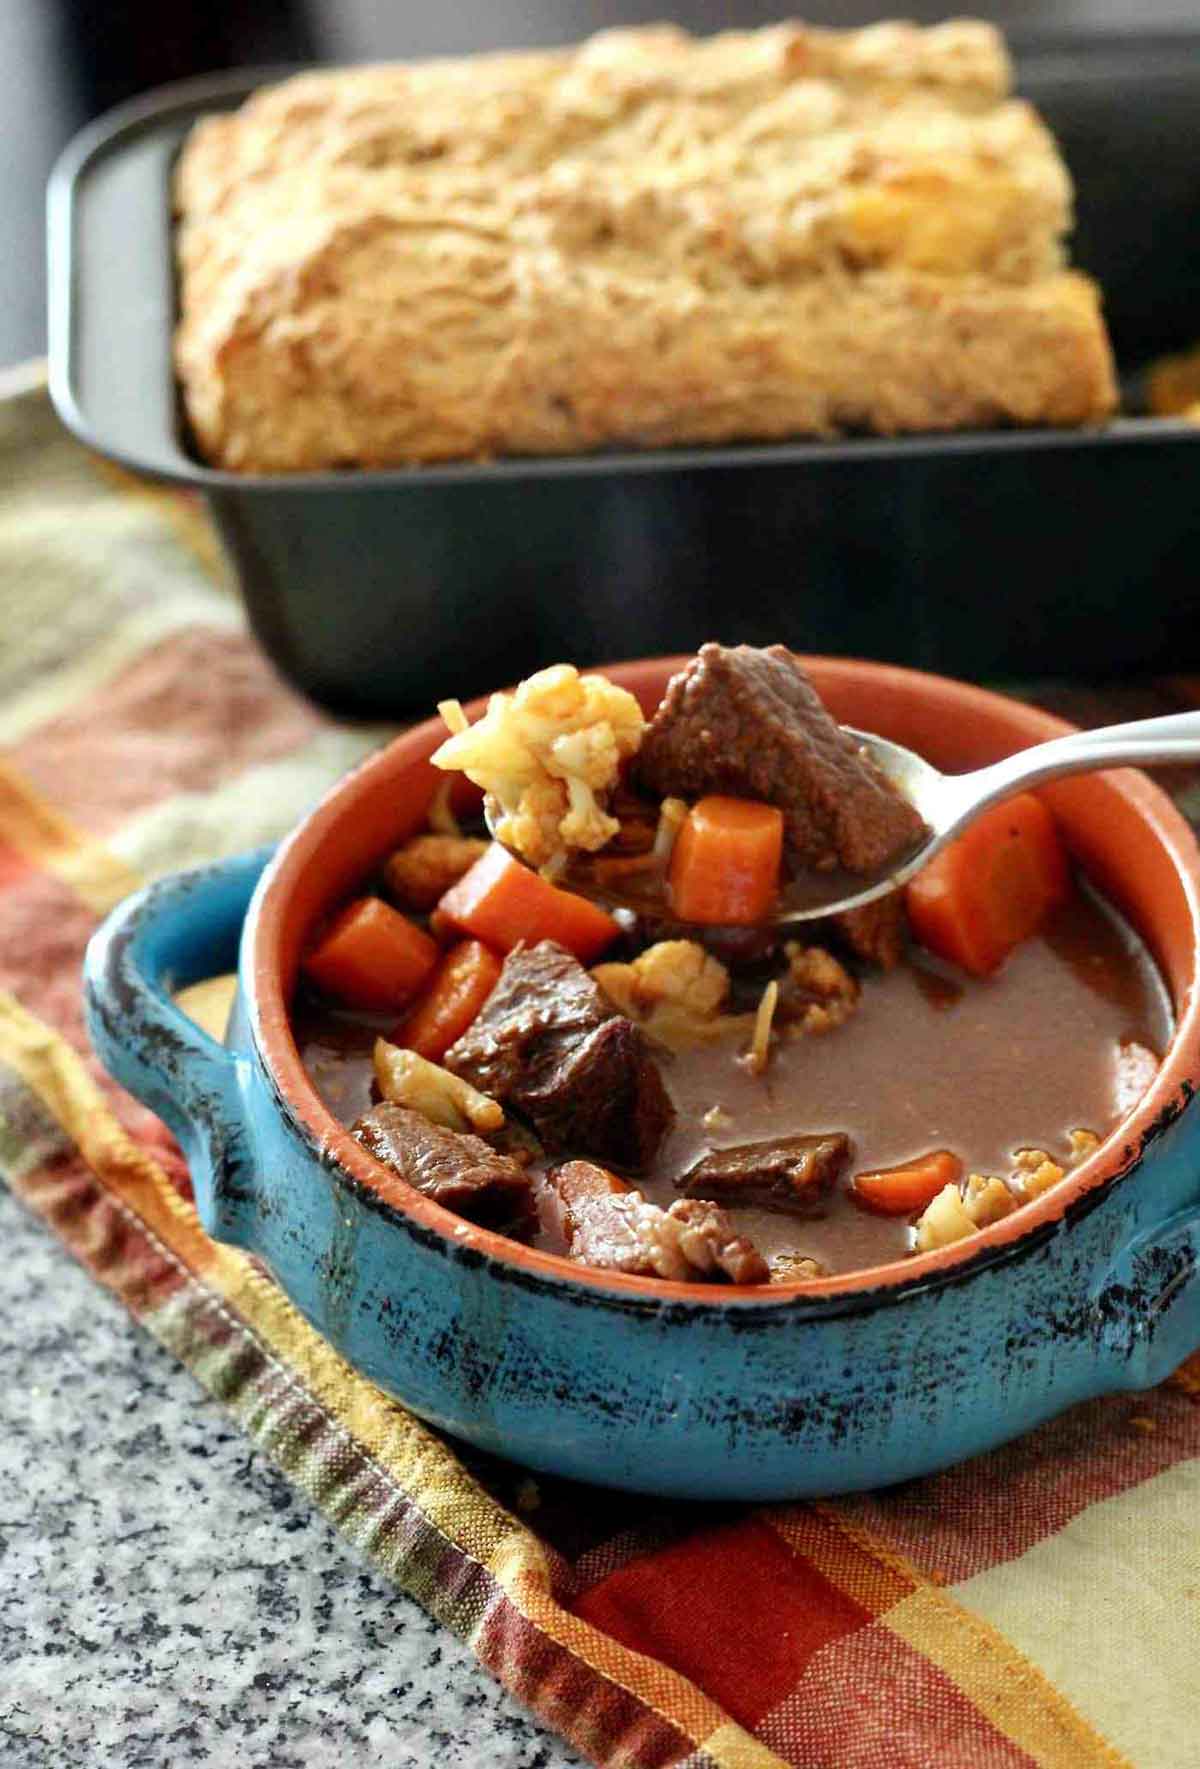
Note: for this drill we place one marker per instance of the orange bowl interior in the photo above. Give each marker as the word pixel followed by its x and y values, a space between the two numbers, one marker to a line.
pixel 1122 829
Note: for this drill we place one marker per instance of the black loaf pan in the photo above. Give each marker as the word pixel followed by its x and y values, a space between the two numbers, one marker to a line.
pixel 981 554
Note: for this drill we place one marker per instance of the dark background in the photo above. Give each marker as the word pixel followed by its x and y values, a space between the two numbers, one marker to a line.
pixel 64 61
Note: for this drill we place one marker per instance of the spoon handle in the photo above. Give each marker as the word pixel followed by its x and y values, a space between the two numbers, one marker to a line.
pixel 1175 738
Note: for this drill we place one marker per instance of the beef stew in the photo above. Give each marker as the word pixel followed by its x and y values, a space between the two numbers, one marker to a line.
pixel 711 1101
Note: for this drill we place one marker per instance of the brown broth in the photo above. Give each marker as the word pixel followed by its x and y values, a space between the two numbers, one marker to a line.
pixel 929 1060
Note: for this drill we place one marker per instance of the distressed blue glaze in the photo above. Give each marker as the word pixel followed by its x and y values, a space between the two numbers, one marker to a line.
pixel 719 1400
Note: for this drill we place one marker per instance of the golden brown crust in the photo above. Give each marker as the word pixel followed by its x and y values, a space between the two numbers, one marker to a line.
pixel 1173 386
pixel 650 239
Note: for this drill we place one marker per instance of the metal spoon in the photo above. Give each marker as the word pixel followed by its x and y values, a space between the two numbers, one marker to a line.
pixel 949 802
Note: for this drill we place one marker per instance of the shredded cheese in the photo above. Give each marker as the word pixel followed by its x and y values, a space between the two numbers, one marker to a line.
pixel 555 866
pixel 440 817
pixel 453 716
pixel 760 1045
pixel 672 815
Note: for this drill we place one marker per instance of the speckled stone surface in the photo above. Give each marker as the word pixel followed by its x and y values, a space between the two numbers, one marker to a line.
pixel 166 1598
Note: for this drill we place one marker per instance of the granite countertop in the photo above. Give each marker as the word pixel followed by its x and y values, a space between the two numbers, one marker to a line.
pixel 166 1598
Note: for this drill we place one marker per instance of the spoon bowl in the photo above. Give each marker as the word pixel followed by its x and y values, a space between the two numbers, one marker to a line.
pixel 812 895
pixel 947 803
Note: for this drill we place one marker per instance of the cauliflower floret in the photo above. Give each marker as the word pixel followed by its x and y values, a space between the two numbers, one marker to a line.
pixel 817 993
pixel 1083 1143
pixel 1135 1069
pixel 681 971
pixel 534 828
pixel 675 989
pixel 955 1214
pixel 794 1268
pixel 1041 1179
pixel 543 754
pixel 411 1080
pixel 986 1199
pixel 1035 1172
pixel 943 1221
pixel 619 983
pixel 420 872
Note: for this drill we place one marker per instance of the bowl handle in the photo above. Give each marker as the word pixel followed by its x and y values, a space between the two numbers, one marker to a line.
pixel 180 930
pixel 1147 1305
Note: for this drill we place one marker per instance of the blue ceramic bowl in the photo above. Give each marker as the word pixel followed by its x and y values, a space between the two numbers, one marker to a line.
pixel 677 1389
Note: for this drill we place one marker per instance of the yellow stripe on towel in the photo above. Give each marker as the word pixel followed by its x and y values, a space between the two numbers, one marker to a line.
pixel 43 837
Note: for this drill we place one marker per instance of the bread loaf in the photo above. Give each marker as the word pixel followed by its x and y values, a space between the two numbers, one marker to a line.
pixel 649 239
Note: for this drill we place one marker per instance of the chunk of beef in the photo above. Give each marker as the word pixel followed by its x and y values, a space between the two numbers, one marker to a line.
pixel 549 1042
pixel 577 1181
pixel 748 722
pixel 603 1096
pixel 543 1002
pixel 790 1173
pixel 569 1184
pixel 618 1230
pixel 877 931
pixel 452 1167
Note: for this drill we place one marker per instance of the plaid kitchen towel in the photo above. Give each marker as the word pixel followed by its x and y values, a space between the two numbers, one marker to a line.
pixel 1037 1605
